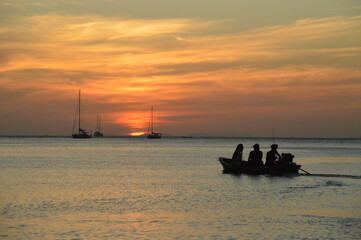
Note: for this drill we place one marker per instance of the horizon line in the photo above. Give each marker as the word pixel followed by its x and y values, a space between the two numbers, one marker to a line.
pixel 183 136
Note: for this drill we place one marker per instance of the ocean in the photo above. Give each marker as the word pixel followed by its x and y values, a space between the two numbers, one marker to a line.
pixel 174 188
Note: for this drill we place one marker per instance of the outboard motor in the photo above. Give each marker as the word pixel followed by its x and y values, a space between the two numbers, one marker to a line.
pixel 287 157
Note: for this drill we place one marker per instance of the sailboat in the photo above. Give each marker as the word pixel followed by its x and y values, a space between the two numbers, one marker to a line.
pixel 152 134
pixel 81 132
pixel 98 132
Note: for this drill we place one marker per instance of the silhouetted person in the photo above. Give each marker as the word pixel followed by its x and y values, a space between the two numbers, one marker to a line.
pixel 255 157
pixel 272 155
pixel 237 155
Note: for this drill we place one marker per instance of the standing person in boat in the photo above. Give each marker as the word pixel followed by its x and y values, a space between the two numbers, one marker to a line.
pixel 255 157
pixel 237 155
pixel 272 155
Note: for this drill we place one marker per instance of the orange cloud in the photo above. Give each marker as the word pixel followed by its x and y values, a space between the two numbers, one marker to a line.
pixel 191 74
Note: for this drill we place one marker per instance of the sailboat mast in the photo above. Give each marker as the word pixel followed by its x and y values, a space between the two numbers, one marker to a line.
pixel 152 118
pixel 79 112
pixel 100 123
pixel 152 134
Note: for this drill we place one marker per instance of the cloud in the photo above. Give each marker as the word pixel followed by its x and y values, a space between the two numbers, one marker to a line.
pixel 160 45
pixel 188 71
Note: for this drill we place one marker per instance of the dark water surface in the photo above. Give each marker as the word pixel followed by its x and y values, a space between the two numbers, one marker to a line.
pixel 174 188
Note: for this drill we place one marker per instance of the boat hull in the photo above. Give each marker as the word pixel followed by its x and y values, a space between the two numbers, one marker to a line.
pixel 278 169
pixel 98 134
pixel 154 136
pixel 82 136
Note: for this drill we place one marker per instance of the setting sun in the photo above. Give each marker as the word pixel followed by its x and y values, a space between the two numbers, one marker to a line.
pixel 205 76
pixel 256 106
pixel 137 134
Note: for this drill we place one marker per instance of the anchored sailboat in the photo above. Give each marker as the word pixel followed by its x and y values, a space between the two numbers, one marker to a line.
pixel 98 132
pixel 81 132
pixel 152 134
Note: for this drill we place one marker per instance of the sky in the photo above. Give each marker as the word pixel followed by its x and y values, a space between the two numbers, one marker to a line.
pixel 237 68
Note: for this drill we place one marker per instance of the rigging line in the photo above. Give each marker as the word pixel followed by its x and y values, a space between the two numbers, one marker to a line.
pixel 79 111
pixel 152 119
pixel 97 124
pixel 76 112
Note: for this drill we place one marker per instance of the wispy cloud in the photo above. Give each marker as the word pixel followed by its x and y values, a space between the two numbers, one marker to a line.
pixel 181 66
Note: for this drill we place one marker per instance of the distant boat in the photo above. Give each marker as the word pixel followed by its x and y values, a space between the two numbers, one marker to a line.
pixel 98 132
pixel 151 133
pixel 81 132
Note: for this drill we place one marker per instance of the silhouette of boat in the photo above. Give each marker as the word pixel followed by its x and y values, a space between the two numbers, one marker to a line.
pixel 98 132
pixel 81 132
pixel 151 133
pixel 282 166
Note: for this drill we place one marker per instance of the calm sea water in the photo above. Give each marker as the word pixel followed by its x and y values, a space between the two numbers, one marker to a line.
pixel 174 188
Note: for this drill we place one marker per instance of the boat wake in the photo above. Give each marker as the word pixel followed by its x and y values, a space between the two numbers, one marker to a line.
pixel 317 185
pixel 333 175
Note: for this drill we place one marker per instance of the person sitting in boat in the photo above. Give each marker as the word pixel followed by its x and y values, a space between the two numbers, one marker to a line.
pixel 237 155
pixel 255 157
pixel 272 156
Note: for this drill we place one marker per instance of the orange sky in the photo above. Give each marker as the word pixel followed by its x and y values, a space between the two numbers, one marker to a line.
pixel 205 74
